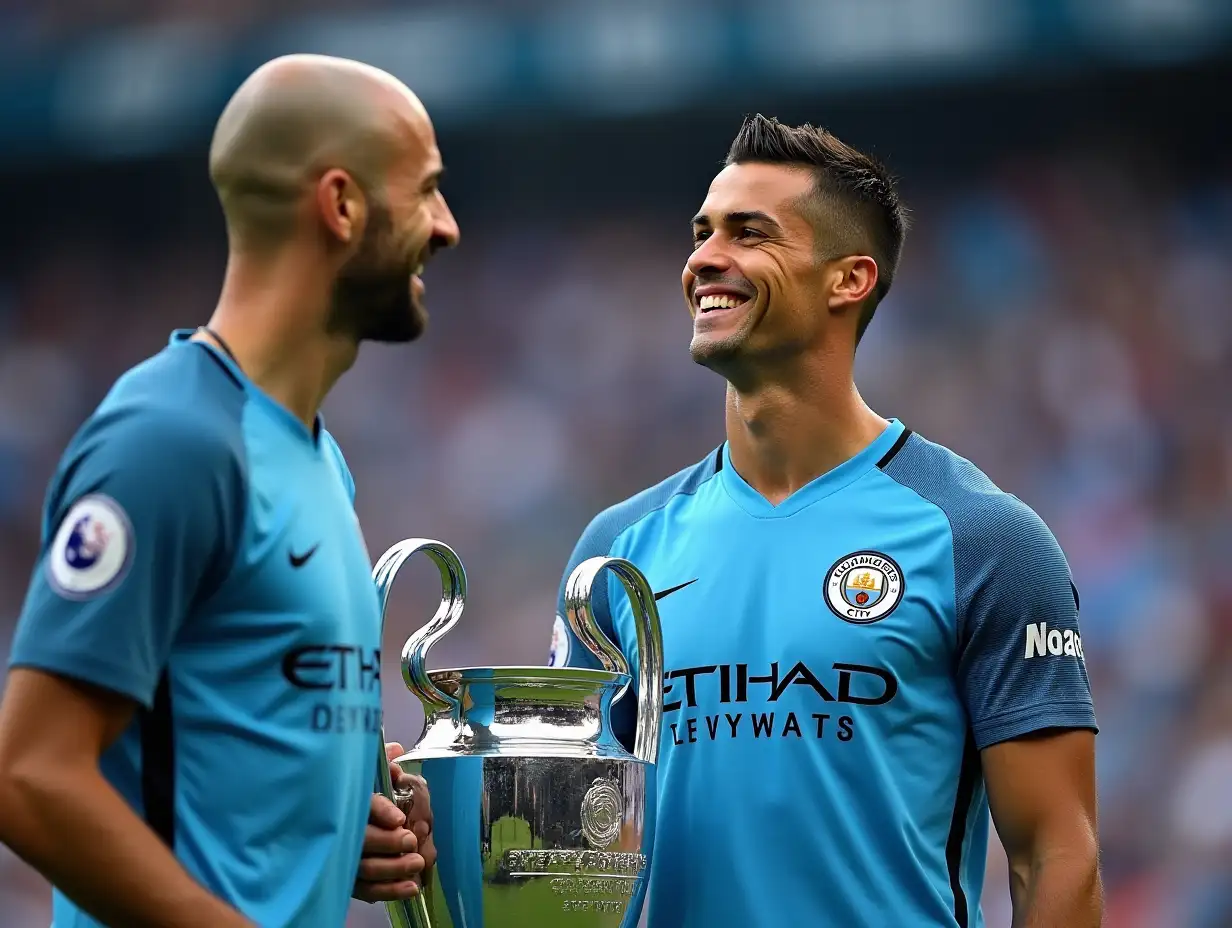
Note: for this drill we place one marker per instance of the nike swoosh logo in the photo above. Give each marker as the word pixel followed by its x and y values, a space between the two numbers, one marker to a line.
pixel 671 590
pixel 299 560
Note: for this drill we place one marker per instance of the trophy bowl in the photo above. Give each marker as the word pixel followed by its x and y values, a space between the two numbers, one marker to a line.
pixel 541 817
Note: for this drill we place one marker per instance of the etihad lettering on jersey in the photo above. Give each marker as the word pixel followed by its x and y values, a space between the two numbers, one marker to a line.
pixel 1043 641
pixel 346 678
pixel 333 667
pixel 838 686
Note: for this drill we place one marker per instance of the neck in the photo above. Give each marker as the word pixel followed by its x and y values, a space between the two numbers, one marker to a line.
pixel 787 431
pixel 264 315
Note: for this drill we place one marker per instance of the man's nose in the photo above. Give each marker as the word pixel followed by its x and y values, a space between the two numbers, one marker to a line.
pixel 708 259
pixel 445 231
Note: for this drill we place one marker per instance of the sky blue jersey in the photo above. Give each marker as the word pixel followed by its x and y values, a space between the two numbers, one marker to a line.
pixel 201 555
pixel 834 665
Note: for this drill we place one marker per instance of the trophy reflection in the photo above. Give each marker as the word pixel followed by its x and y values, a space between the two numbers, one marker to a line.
pixel 541 817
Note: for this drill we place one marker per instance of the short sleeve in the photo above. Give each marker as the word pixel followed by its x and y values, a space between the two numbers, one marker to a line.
pixel 567 650
pixel 1021 666
pixel 141 522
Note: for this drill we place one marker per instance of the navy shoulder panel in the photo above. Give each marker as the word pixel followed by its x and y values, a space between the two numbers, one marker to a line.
pixel 182 409
pixel 1013 587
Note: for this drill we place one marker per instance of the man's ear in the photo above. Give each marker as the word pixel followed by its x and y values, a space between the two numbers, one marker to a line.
pixel 852 281
pixel 341 206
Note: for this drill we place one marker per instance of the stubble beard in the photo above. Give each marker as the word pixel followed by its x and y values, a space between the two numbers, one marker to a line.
pixel 372 298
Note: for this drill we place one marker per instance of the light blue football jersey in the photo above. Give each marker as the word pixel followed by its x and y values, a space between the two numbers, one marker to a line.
pixel 201 555
pixel 834 665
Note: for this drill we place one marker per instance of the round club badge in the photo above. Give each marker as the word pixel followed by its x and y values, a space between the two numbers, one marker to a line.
pixel 92 548
pixel 559 655
pixel 864 587
pixel 603 811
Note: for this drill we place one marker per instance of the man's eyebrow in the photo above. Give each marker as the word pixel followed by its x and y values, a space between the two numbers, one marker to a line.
pixel 738 217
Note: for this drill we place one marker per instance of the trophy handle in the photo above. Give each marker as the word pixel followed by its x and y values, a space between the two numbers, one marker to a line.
pixel 578 592
pixel 453 601
pixel 414 913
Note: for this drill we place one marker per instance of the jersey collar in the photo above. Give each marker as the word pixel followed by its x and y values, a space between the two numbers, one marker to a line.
pixel 281 413
pixel 830 482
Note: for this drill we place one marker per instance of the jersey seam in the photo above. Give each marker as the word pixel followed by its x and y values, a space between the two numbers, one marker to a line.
pixel 958 618
pixel 222 362
pixel 224 365
pixel 237 542
pixel 667 502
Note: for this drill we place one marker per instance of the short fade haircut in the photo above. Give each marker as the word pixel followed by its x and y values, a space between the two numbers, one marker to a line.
pixel 855 198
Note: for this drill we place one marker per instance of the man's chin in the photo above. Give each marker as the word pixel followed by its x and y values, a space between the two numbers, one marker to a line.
pixel 407 325
pixel 714 353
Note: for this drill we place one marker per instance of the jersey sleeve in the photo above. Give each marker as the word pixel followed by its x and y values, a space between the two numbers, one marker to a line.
pixel 1021 666
pixel 141 522
pixel 567 650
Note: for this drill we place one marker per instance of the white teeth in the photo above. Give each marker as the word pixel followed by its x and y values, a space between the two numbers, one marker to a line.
pixel 719 301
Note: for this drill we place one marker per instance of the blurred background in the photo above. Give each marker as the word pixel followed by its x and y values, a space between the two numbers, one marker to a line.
pixel 1062 316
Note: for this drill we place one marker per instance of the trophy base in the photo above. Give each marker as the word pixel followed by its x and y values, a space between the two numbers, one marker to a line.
pixel 537 842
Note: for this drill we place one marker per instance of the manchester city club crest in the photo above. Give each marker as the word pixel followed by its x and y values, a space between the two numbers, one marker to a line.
pixel 92 548
pixel 864 587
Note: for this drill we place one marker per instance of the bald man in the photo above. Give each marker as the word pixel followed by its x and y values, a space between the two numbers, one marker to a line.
pixel 193 704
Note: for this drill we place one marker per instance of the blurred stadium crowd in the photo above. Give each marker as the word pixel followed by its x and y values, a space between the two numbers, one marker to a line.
pixel 70 19
pixel 1063 321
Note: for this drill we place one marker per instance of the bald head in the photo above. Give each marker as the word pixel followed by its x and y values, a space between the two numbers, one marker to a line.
pixel 297 117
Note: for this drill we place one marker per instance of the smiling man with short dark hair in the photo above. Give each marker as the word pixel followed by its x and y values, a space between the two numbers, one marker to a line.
pixel 880 646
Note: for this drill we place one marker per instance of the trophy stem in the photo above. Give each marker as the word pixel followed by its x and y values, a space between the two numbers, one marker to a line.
pixel 413 913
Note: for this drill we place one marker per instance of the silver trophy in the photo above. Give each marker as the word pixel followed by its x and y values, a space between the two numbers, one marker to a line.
pixel 541 817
